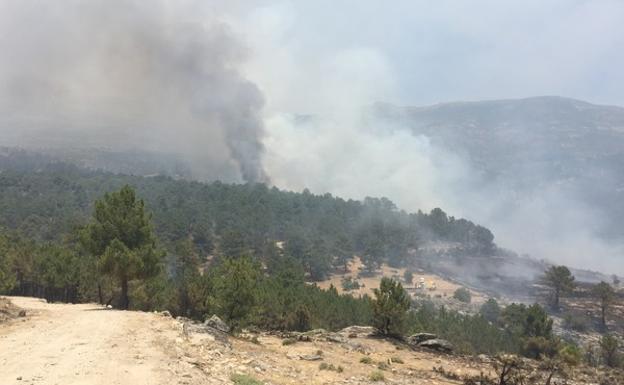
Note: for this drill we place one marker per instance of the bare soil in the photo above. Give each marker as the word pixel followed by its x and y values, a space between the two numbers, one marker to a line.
pixel 86 344
pixel 436 286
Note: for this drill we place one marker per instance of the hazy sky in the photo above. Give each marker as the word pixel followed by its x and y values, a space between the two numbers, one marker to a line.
pixel 443 50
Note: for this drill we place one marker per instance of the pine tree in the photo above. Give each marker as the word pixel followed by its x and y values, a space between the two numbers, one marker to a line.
pixel 121 236
pixel 605 293
pixel 390 307
pixel 560 280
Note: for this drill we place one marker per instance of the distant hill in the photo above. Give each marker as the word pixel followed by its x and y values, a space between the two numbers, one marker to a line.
pixel 570 149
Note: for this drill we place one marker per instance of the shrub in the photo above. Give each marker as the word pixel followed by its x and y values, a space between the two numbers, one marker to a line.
pixel 390 307
pixel 326 366
pixel 349 284
pixel 396 360
pixel 376 376
pixel 288 341
pixel 571 354
pixel 408 276
pixel 575 322
pixel 490 310
pixel 243 379
pixel 463 295
pixel 609 346
pixel 536 347
pixel 366 360
pixel 300 320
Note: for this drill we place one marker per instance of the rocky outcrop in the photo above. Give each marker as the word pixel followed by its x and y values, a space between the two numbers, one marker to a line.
pixel 437 344
pixel 217 324
pixel 417 338
pixel 357 331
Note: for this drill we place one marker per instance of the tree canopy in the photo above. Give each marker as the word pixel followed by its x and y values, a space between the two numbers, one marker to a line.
pixel 560 280
pixel 121 237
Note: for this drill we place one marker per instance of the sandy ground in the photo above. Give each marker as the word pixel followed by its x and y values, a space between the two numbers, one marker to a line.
pixel 436 285
pixel 85 344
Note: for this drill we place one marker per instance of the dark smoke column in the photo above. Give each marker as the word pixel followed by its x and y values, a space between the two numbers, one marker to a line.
pixel 163 75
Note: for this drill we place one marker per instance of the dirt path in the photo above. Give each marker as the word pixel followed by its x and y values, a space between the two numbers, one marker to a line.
pixel 63 344
pixel 85 344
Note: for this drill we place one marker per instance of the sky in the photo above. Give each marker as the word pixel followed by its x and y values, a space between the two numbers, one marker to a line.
pixel 439 51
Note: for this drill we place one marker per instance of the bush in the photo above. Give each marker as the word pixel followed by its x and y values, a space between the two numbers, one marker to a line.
pixel 571 354
pixel 349 284
pixel 390 307
pixel 326 366
pixel 243 379
pixel 288 341
pixel 376 376
pixel 471 334
pixel 463 295
pixel 537 347
pixel 300 320
pixel 490 310
pixel 609 346
pixel 366 360
pixel 408 276
pixel 575 322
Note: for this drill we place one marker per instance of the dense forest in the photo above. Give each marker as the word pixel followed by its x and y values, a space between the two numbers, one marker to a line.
pixel 248 253
pixel 46 201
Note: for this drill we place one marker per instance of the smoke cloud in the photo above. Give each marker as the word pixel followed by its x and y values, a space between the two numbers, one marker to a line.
pixel 283 90
pixel 322 135
pixel 160 75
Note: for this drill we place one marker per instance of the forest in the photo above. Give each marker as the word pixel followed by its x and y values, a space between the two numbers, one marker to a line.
pixel 249 253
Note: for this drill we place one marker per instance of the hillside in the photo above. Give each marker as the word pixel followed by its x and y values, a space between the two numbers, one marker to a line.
pixel 548 163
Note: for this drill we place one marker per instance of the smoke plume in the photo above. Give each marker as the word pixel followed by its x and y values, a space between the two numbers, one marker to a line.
pixel 160 75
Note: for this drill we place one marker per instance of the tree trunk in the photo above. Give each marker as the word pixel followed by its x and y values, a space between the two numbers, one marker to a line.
pixel 125 301
pixel 603 308
pixel 100 295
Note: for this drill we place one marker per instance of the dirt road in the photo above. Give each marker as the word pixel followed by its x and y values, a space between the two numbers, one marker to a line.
pixel 63 344
pixel 85 344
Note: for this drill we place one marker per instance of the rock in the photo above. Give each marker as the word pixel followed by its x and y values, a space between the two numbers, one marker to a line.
pixel 417 338
pixel 165 313
pixel 334 337
pixel 358 331
pixel 311 357
pixel 315 332
pixel 437 344
pixel 22 313
pixel 216 323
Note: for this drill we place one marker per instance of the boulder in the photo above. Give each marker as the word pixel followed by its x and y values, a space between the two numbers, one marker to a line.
pixel 358 331
pixel 165 313
pixel 337 338
pixel 217 324
pixel 311 357
pixel 437 344
pixel 417 338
